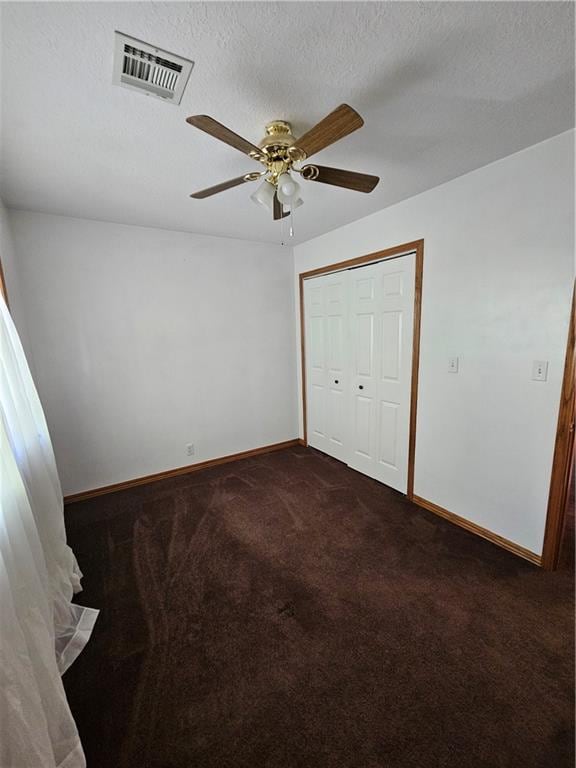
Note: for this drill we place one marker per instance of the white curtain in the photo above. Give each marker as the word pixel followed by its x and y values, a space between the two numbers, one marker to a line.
pixel 41 630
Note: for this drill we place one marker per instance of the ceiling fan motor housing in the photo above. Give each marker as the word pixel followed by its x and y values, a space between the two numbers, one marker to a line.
pixel 278 135
pixel 280 153
pixel 278 145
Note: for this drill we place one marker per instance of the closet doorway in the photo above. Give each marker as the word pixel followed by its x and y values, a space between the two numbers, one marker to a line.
pixel 360 324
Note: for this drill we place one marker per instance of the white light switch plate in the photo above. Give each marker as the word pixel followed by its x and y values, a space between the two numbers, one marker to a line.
pixel 452 365
pixel 539 370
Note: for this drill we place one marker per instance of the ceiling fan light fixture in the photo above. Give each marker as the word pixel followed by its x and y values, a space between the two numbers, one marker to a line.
pixel 264 195
pixel 282 155
pixel 288 189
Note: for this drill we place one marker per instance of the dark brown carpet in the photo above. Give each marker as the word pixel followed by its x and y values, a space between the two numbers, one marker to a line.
pixel 287 612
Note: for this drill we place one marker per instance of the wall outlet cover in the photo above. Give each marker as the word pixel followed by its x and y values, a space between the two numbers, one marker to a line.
pixel 540 370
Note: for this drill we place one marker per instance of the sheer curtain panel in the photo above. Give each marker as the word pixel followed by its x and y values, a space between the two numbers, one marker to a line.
pixel 41 630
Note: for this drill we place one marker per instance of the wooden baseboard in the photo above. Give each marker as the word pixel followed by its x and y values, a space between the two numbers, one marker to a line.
pixel 302 442
pixel 83 495
pixel 500 541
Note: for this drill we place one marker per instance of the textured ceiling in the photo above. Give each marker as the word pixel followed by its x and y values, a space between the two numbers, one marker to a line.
pixel 443 87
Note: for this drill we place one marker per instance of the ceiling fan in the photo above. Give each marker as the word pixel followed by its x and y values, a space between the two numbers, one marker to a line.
pixel 283 155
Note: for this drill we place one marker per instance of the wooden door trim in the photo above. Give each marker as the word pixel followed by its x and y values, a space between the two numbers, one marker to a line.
pixel 417 247
pixel 563 457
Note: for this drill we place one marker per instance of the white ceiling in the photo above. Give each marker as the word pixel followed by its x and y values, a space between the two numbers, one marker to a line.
pixel 443 87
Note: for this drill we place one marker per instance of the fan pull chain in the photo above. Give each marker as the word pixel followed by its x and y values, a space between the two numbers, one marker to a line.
pixel 291 221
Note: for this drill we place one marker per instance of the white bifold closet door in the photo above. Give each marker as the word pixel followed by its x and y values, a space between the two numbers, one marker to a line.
pixel 326 313
pixel 359 331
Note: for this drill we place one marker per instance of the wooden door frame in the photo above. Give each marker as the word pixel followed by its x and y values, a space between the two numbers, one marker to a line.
pixel 417 247
pixel 562 464
pixel 564 449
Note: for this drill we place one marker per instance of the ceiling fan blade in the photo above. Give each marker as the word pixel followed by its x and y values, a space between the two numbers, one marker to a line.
pixel 359 182
pixel 221 187
pixel 219 131
pixel 335 126
pixel 278 211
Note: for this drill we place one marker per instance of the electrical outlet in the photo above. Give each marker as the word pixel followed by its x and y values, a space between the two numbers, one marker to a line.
pixel 452 365
pixel 539 370
pixel 190 449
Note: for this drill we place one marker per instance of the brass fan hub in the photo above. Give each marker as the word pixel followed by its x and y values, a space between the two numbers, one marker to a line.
pixel 278 134
pixel 279 150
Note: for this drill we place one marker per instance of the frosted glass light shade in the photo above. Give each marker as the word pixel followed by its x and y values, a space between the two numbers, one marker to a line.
pixel 288 189
pixel 264 195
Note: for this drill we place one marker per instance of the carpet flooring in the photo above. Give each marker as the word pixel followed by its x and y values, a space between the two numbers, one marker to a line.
pixel 285 611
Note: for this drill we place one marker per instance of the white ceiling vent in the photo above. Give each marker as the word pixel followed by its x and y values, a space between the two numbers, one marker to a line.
pixel 146 68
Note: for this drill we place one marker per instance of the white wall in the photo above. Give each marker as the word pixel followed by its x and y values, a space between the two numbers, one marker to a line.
pixel 12 278
pixel 144 340
pixel 498 273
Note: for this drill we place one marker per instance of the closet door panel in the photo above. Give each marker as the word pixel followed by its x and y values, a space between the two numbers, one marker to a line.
pixel 336 372
pixel 382 298
pixel 336 360
pixel 395 316
pixel 317 353
pixel 363 317
pixel 359 327
pixel 391 345
pixel 336 418
pixel 390 357
pixel 317 365
pixel 326 323
pixel 363 418
pixel 364 345
pixel 316 357
pixel 388 434
pixel 316 415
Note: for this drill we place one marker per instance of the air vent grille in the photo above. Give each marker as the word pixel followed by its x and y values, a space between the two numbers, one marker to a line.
pixel 150 69
pixel 140 66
